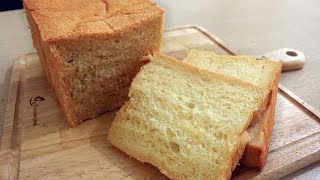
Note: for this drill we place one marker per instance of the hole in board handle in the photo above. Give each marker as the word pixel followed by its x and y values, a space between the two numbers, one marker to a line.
pixel 291 53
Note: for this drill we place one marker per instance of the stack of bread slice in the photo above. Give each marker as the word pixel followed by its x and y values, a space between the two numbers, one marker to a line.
pixel 189 122
pixel 264 74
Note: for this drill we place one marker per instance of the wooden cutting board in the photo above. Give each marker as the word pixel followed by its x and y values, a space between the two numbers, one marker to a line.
pixel 51 150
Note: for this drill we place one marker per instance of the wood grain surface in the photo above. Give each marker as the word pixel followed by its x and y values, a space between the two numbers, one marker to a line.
pixel 52 150
pixel 10 141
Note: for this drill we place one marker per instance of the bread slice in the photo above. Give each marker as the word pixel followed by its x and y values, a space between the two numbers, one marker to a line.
pixel 189 123
pixel 264 74
pixel 90 50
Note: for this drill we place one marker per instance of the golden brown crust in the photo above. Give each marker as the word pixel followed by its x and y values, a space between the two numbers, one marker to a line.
pixel 37 41
pixel 94 20
pixel 244 140
pixel 256 155
pixel 59 23
pixel 64 5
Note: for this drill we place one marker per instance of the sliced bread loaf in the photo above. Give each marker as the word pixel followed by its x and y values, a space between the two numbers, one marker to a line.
pixel 261 73
pixel 189 123
pixel 90 49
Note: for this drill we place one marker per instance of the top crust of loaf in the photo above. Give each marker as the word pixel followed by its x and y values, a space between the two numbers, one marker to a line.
pixel 59 19
pixel 260 73
pixel 64 5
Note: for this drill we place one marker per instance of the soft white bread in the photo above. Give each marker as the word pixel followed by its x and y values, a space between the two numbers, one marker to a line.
pixel 188 122
pixel 263 73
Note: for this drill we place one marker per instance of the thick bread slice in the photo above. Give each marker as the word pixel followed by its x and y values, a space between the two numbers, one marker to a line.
pixel 262 73
pixel 188 122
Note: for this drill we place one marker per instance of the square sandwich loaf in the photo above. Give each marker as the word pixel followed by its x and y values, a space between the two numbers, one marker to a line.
pixel 90 50
pixel 189 122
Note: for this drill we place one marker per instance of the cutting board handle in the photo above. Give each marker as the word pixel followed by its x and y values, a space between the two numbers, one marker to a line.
pixel 291 59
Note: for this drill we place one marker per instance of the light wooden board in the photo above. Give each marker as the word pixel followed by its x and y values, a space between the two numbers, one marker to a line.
pixel 51 150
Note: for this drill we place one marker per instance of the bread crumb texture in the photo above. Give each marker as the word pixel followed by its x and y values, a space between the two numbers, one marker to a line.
pixel 257 72
pixel 262 73
pixel 185 121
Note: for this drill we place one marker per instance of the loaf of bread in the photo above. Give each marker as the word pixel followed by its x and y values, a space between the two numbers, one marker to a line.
pixel 264 74
pixel 188 122
pixel 90 49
